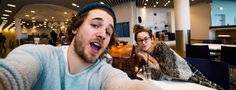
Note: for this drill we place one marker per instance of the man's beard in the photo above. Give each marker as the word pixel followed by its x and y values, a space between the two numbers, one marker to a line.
pixel 80 51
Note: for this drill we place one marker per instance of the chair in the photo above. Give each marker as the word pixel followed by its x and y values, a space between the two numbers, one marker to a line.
pixel 124 59
pixel 217 72
pixel 228 55
pixel 212 41
pixel 198 51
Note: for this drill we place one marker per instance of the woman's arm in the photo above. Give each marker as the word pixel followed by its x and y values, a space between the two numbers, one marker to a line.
pixel 152 62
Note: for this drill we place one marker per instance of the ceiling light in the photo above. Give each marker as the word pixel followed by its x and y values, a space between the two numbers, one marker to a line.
pixel 73 4
pixel 77 6
pixel 11 5
pixel 33 21
pixel 3 18
pixel 46 19
pixel 6 15
pixel 145 4
pixel 168 2
pixel 32 17
pixel 221 8
pixel 154 6
pixel 26 15
pixel 157 2
pixel 32 11
pixel 146 0
pixel 193 0
pixel 67 19
pixel 102 2
pixel 65 13
pixel 8 11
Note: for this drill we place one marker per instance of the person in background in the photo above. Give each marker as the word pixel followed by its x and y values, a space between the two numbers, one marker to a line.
pixel 2 43
pixel 73 67
pixel 61 34
pixel 54 38
pixel 165 62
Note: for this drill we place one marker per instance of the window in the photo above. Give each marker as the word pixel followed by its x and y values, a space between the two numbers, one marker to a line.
pixel 122 29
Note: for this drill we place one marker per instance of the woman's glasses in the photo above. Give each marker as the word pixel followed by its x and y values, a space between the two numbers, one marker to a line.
pixel 145 39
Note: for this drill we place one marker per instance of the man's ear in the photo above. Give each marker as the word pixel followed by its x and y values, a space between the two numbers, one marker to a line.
pixel 74 31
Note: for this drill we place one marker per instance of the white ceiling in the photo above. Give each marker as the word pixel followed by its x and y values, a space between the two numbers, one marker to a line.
pixel 45 11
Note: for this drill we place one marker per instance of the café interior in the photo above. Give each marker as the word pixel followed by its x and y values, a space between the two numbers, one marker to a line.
pixel 201 31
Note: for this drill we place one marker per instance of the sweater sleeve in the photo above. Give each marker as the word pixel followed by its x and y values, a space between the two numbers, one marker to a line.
pixel 172 65
pixel 21 68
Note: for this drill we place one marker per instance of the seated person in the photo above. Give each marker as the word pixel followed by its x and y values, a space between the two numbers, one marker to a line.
pixel 165 63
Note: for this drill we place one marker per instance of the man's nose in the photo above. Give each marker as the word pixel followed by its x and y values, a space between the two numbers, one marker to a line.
pixel 101 33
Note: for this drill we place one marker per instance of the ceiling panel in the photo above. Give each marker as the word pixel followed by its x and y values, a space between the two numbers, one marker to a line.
pixel 45 9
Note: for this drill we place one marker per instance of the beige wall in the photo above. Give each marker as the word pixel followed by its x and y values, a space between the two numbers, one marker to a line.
pixel 200 17
pixel 124 13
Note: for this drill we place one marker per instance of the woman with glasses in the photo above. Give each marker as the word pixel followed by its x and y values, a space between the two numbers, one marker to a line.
pixel 165 63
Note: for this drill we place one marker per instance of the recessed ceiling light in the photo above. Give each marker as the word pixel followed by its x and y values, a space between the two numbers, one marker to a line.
pixel 46 19
pixel 77 6
pixel 157 2
pixel 146 0
pixel 27 15
pixel 3 18
pixel 8 11
pixel 6 15
pixel 145 4
pixel 102 2
pixel 73 4
pixel 154 6
pixel 221 8
pixel 65 13
pixel 32 11
pixel 11 5
pixel 32 17
pixel 33 21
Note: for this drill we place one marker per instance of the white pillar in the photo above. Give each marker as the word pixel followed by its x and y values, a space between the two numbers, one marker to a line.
pixel 18 30
pixel 182 24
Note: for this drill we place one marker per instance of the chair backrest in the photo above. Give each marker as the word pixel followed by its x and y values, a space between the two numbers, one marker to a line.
pixel 218 72
pixel 228 55
pixel 198 51
pixel 124 58
pixel 212 41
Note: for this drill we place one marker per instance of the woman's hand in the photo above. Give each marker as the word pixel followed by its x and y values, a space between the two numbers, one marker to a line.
pixel 147 57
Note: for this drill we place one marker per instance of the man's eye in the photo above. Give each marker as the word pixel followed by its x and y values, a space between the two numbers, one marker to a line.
pixel 108 33
pixel 94 25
